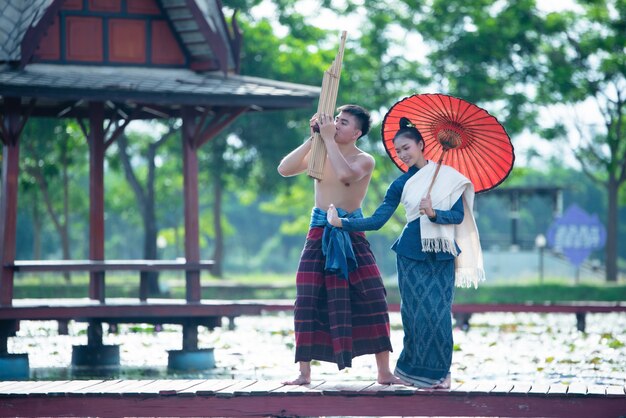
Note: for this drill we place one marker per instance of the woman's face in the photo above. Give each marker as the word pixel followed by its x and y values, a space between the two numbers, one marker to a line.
pixel 409 151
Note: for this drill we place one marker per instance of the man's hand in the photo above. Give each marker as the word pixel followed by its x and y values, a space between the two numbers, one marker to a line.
pixel 333 217
pixel 314 125
pixel 327 127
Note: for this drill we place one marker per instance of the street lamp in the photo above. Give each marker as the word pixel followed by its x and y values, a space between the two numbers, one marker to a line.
pixel 540 243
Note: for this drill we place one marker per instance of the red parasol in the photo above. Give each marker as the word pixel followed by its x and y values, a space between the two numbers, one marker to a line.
pixel 466 136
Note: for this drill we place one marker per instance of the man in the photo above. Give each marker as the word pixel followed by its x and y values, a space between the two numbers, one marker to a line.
pixel 341 309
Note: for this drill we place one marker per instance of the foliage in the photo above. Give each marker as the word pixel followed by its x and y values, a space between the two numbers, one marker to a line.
pixel 584 63
pixel 53 163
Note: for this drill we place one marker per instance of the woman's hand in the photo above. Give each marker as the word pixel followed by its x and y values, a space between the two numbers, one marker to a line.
pixel 333 217
pixel 426 206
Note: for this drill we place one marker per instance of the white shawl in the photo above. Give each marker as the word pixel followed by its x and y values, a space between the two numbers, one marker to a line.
pixel 448 187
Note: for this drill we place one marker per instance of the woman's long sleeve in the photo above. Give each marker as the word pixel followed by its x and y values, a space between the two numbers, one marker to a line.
pixel 380 216
pixel 452 216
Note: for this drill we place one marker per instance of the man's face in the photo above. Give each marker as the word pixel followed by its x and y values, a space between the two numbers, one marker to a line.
pixel 347 128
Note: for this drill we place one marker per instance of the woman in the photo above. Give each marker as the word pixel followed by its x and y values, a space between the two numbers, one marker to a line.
pixel 439 225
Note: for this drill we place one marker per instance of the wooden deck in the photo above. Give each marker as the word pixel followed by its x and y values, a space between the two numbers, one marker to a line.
pixel 129 310
pixel 112 398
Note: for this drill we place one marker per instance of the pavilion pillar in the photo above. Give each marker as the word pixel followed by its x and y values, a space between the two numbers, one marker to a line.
pixel 96 196
pixel 190 357
pixel 190 198
pixel 11 129
pixel 12 366
pixel 95 353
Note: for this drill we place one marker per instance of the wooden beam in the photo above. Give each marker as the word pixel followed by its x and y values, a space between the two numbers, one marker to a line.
pixel 11 127
pixel 222 119
pixel 266 398
pixel 190 198
pixel 33 35
pixel 218 45
pixel 96 196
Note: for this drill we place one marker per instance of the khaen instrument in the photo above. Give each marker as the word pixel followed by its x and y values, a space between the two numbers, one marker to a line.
pixel 327 103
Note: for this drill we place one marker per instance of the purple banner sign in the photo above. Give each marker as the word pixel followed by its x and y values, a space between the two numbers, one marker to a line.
pixel 576 234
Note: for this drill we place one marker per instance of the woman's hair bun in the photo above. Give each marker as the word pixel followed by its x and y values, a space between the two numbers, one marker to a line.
pixel 405 123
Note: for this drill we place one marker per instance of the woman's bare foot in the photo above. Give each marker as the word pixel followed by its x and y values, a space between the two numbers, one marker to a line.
pixel 300 380
pixel 390 379
pixel 445 384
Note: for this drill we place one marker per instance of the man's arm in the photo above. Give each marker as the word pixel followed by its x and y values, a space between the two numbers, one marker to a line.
pixel 296 161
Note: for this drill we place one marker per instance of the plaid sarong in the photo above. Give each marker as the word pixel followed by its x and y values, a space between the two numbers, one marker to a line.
pixel 337 319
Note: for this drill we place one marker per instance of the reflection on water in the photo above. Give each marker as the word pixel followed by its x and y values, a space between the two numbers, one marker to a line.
pixel 499 347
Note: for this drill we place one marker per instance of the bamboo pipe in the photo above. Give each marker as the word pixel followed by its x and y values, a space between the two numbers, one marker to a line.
pixel 326 104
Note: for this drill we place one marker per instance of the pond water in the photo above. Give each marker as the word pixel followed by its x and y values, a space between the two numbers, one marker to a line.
pixel 539 348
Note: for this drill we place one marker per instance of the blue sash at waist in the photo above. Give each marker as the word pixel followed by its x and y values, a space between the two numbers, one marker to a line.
pixel 336 243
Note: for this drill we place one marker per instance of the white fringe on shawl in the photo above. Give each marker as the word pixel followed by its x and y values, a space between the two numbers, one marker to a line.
pixel 448 187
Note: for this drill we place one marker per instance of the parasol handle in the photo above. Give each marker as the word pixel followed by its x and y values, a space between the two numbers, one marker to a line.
pixel 432 182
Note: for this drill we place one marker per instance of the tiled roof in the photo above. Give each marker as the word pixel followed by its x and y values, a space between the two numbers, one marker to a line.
pixel 169 88
pixel 16 16
pixel 192 22
pixel 188 28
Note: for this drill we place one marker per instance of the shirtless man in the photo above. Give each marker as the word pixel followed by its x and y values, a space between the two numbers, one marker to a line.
pixel 341 308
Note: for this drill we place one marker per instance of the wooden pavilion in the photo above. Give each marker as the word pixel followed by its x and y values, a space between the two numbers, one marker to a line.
pixel 106 63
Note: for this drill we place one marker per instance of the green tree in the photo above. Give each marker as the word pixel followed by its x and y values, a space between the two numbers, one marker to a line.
pixel 585 61
pixel 144 188
pixel 51 147
pixel 515 60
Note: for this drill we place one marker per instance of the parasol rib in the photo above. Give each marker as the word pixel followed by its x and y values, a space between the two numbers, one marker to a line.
pixel 327 103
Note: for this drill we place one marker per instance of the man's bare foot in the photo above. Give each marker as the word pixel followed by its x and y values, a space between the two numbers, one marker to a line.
pixel 300 380
pixel 390 379
pixel 445 384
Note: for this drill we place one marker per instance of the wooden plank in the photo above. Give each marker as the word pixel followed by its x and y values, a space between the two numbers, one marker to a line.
pixel 577 388
pixel 179 385
pixel 466 387
pixel 230 391
pixel 207 388
pixel 596 390
pixel 557 389
pixel 166 310
pixel 126 387
pixel 107 265
pixel 17 386
pixel 260 387
pixel 484 387
pixel 151 388
pixel 615 390
pixel 32 387
pixel 310 389
pixel 102 387
pixel 502 388
pixel 343 388
pixel 539 388
pixel 397 390
pixel 71 387
pixel 520 388
pixel 9 383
